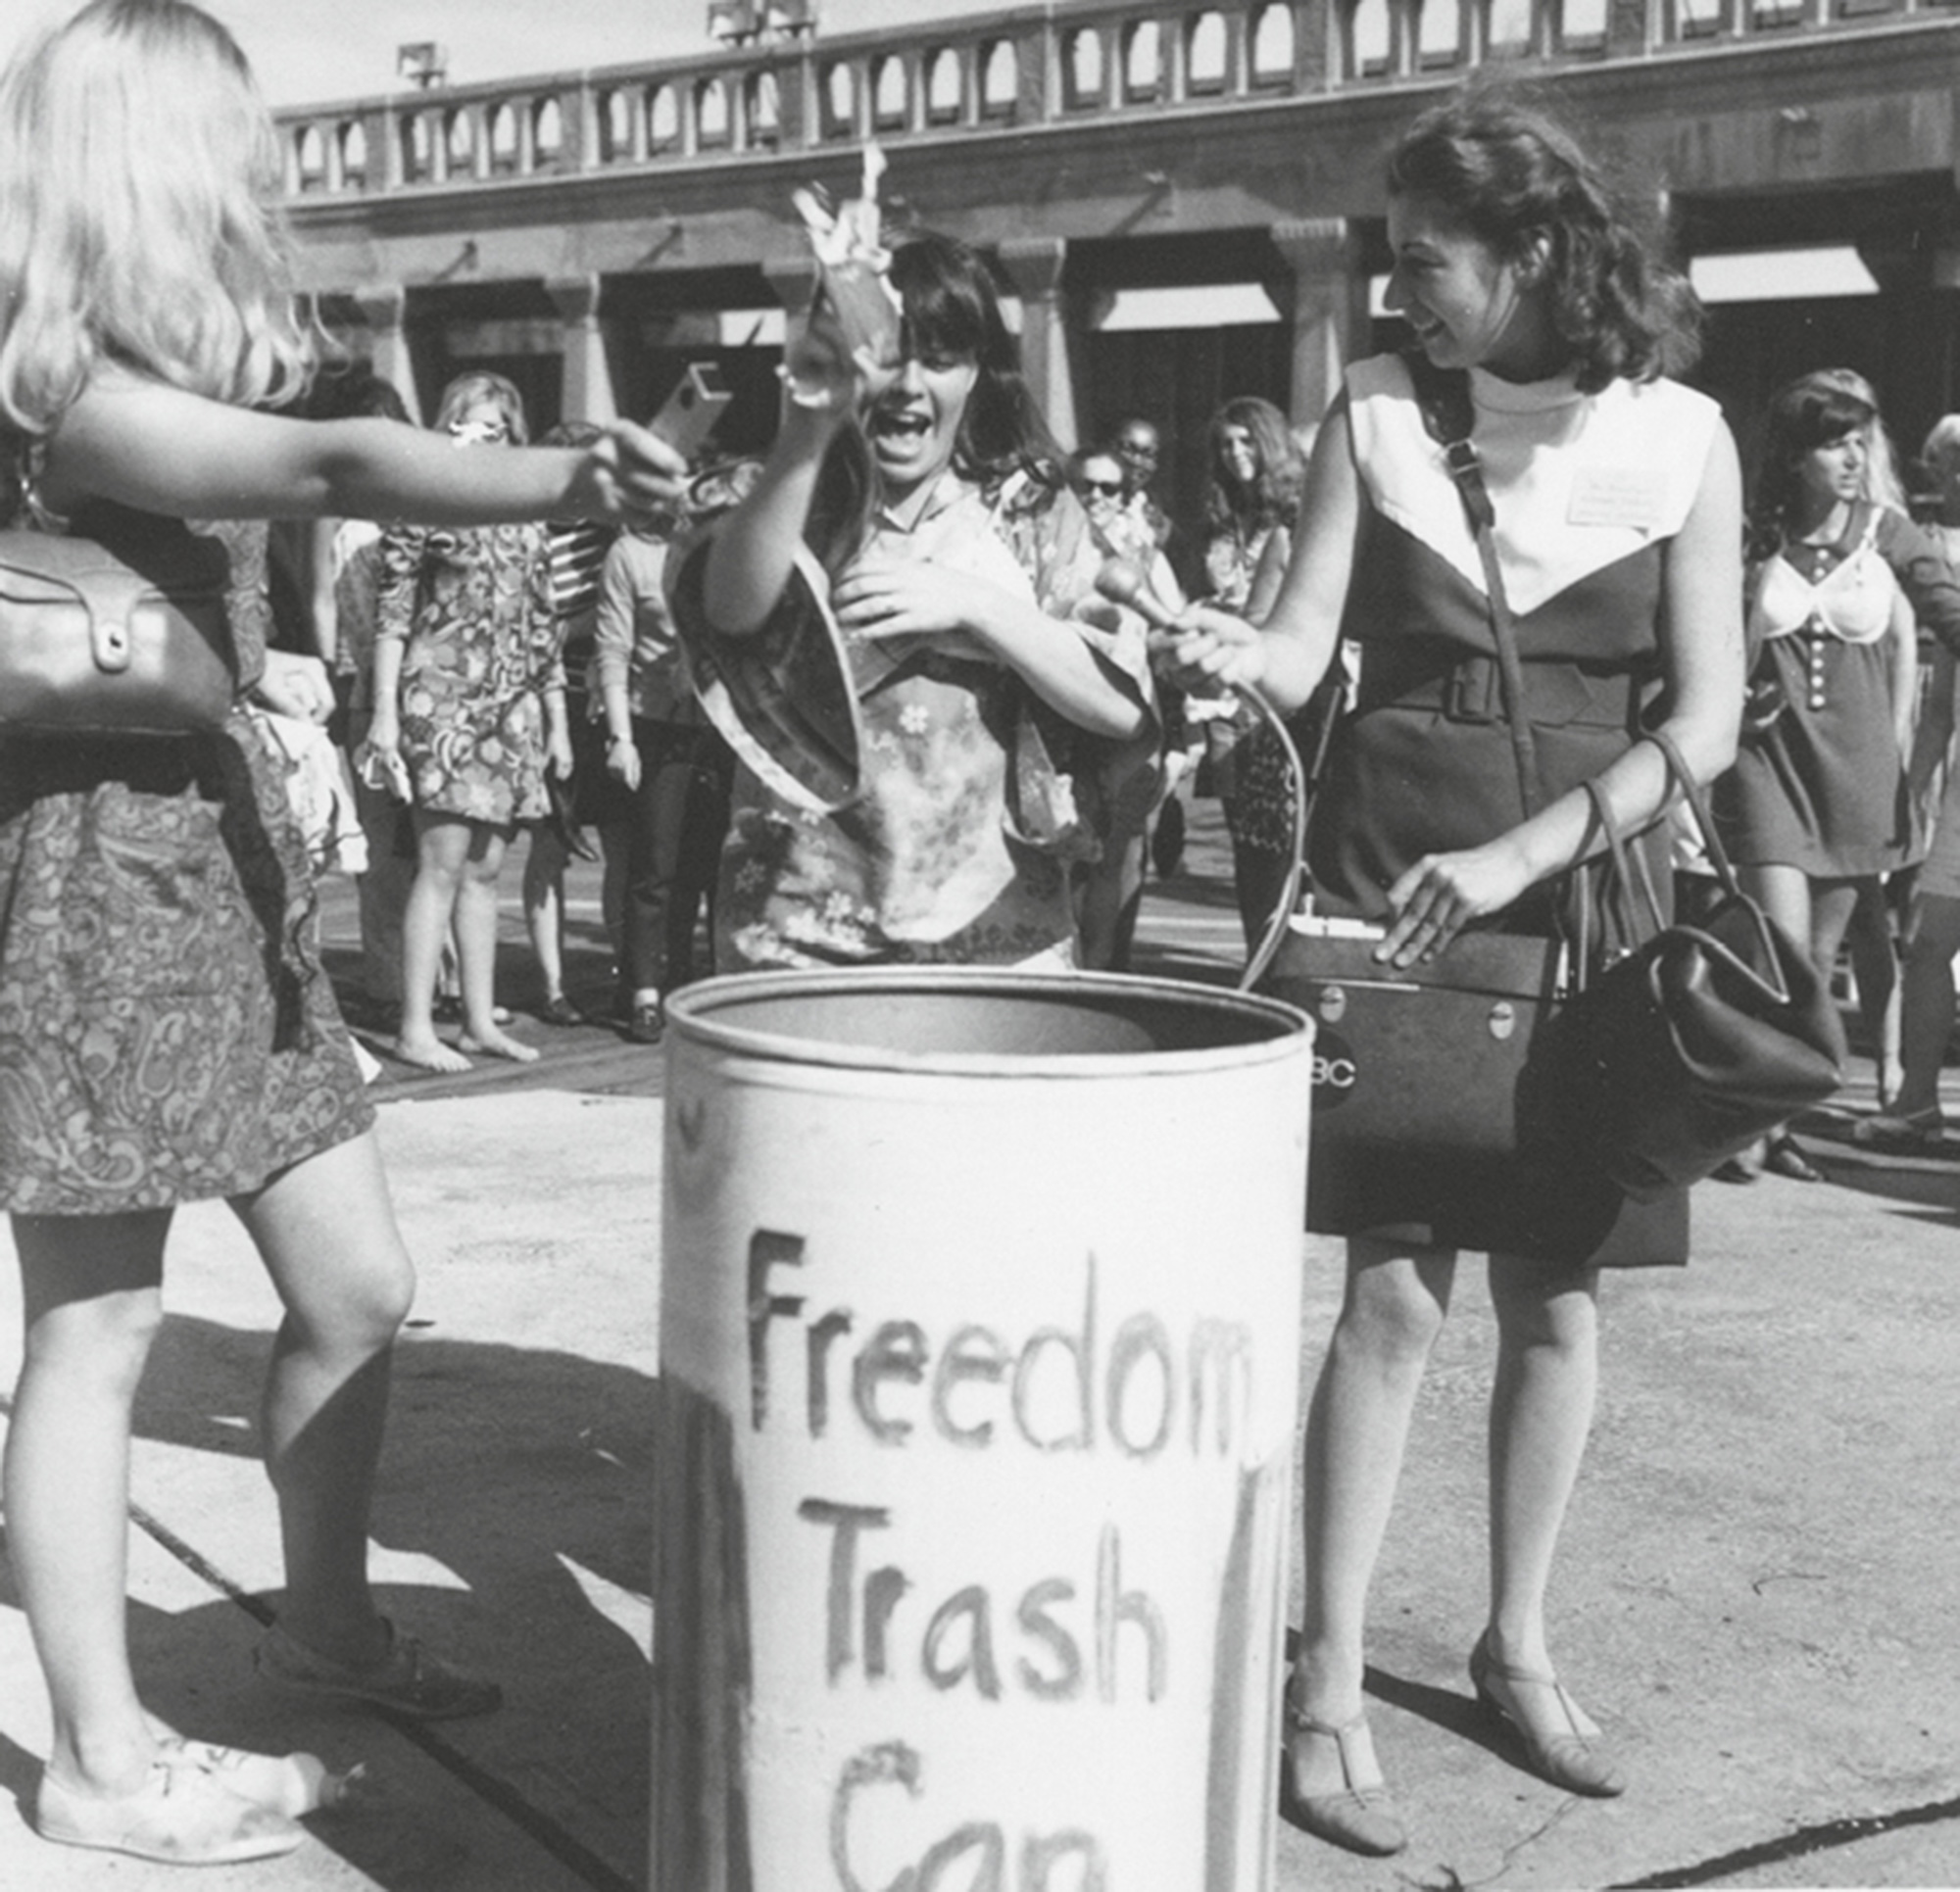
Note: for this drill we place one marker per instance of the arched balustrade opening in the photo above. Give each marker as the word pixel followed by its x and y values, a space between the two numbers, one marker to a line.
pixel 1143 62
pixel 1082 70
pixel 714 123
pixel 663 120
pixel 1367 39
pixel 353 155
pixel 945 87
pixel 889 94
pixel 547 131
pixel 1000 81
pixel 507 151
pixel 838 92
pixel 1205 46
pixel 1273 46
pixel 310 160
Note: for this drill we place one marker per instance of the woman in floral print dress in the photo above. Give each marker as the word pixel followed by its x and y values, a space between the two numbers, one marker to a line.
pixel 469 696
pixel 979 651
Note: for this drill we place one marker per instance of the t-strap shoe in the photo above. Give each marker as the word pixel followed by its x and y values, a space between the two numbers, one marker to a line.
pixel 1560 1742
pixel 1360 1815
pixel 406 1681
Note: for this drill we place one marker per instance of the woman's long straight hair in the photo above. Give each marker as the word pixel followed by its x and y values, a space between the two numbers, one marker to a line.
pixel 139 226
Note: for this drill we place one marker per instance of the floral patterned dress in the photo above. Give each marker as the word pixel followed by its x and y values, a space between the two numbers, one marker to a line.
pixel 964 842
pixel 473 609
pixel 166 1034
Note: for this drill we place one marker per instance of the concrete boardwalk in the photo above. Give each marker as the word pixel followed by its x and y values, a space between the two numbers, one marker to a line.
pixel 1759 1592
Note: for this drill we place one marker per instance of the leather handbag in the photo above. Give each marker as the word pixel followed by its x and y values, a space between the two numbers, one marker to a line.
pixel 1703 1039
pixel 94 644
pixel 1435 1058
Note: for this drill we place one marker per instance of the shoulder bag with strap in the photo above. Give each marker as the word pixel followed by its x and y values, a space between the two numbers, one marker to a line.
pixel 135 640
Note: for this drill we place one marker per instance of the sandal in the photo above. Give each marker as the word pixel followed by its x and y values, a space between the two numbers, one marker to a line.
pixel 406 1681
pixel 1570 1752
pixel 1361 1818
pixel 181 1816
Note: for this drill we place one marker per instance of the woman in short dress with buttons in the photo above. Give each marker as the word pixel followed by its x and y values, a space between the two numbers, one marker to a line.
pixel 1817 803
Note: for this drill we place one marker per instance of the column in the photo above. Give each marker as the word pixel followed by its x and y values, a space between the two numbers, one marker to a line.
pixel 1330 308
pixel 382 308
pixel 586 393
pixel 1034 266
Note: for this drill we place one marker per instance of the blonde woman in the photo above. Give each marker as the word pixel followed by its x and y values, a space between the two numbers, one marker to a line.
pixel 166 1035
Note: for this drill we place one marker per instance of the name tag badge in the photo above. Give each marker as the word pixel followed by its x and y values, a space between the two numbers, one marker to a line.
pixel 1619 496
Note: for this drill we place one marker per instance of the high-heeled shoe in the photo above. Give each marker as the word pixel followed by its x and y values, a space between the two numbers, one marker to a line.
pixel 1361 1817
pixel 1567 1751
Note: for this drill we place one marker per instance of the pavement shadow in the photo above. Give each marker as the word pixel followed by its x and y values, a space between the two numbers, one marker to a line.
pixel 1930 1182
pixel 20 1770
pixel 500 1461
pixel 525 1477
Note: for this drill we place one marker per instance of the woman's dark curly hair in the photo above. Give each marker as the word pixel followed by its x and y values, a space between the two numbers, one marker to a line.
pixel 1514 178
pixel 1810 412
pixel 1273 497
pixel 951 308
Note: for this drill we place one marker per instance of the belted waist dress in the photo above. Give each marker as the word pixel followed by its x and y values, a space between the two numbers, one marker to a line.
pixel 1589 490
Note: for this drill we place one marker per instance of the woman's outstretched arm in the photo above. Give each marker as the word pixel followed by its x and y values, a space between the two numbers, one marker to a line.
pixel 161 450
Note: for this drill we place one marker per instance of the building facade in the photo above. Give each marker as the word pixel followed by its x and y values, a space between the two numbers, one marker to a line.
pixel 1183 196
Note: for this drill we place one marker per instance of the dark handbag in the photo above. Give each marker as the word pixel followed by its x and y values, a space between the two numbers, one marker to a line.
pixel 1425 1059
pixel 96 644
pixel 1706 1037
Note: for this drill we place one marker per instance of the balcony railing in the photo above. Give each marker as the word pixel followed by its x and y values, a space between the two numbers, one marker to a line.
pixel 1090 60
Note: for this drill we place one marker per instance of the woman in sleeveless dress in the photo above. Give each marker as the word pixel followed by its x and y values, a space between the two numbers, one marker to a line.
pixel 1618 529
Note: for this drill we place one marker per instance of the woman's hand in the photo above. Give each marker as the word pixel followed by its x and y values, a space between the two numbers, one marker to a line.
pixel 825 373
pixel 557 753
pixel 1209 653
pixel 911 598
pixel 1443 892
pixel 630 475
pixel 378 761
pixel 623 760
pixel 296 685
